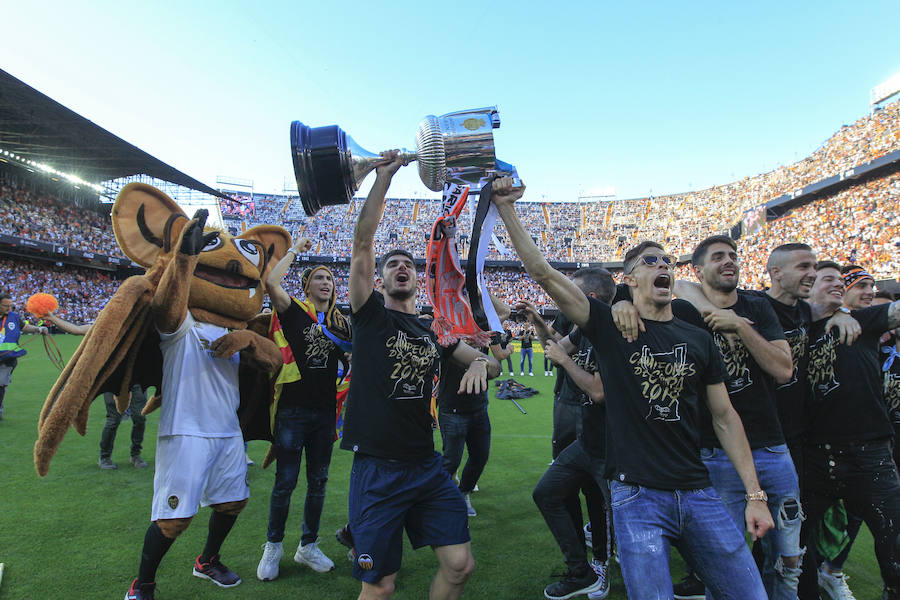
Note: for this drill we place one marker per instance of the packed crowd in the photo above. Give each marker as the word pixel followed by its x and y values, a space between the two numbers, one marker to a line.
pixel 40 216
pixel 81 292
pixel 568 231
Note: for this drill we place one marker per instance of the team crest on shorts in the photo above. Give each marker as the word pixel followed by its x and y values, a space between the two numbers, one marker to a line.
pixel 173 502
pixel 365 562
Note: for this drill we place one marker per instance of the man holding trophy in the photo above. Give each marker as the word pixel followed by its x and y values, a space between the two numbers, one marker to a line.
pixel 398 481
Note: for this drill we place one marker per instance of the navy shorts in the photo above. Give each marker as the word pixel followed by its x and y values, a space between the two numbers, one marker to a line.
pixel 388 496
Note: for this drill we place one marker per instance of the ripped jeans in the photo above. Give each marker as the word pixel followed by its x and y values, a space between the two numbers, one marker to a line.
pixel 778 477
pixel 298 429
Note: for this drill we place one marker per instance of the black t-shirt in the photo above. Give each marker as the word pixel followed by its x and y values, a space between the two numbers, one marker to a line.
pixel 751 389
pixel 892 387
pixel 593 415
pixel 317 358
pixel 448 400
pixel 505 338
pixel 526 341
pixel 847 402
pixel 395 358
pixel 791 398
pixel 654 387
pixel 569 392
pixel 563 326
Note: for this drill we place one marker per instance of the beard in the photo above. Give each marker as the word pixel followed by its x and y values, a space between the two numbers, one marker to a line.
pixel 402 295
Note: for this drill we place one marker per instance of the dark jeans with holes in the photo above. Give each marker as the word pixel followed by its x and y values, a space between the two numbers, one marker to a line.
pixel 297 430
pixel 865 476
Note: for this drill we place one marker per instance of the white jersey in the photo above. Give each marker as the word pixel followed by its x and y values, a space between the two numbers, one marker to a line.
pixel 199 393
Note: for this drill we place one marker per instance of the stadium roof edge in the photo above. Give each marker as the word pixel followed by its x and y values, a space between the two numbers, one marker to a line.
pixel 36 127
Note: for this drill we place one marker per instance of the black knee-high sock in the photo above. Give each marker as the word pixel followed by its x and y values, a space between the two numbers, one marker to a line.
pixel 155 547
pixel 219 526
pixel 2 394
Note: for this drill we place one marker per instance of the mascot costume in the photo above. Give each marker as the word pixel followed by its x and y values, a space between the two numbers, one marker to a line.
pixel 190 328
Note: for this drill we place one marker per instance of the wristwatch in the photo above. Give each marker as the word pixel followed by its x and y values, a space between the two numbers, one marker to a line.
pixel 759 495
pixel 844 310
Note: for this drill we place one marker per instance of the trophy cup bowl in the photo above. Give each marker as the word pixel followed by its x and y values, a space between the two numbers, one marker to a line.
pixel 457 147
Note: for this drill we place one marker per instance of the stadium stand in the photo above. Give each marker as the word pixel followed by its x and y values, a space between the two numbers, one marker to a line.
pixel 856 221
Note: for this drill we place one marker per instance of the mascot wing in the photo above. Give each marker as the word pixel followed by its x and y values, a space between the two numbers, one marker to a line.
pixel 121 348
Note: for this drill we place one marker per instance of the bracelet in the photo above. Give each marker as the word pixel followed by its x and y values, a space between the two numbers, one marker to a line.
pixel 479 359
pixel 291 250
pixel 757 496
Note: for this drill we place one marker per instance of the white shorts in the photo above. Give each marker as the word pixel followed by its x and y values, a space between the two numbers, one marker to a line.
pixel 196 471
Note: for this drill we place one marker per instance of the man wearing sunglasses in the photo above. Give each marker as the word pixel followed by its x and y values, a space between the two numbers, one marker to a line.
pixel 654 386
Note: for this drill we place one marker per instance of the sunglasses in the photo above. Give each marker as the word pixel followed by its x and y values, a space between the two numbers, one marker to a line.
pixel 652 259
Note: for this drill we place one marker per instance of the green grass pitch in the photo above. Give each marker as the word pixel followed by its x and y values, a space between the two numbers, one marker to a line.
pixel 78 532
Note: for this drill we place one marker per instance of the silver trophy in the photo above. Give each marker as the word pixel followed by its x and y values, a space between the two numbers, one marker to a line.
pixel 457 147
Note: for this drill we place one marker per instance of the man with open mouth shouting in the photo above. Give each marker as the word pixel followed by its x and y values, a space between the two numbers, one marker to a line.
pixel 398 480
pixel 654 386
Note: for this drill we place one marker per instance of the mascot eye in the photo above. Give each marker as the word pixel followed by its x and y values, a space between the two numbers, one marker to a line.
pixel 212 244
pixel 249 250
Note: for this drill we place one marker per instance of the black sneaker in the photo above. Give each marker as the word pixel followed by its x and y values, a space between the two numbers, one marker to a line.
pixel 344 537
pixel 143 591
pixel 690 588
pixel 573 584
pixel 216 572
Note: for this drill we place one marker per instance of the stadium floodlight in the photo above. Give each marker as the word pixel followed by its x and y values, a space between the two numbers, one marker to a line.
pixel 884 90
pixel 73 179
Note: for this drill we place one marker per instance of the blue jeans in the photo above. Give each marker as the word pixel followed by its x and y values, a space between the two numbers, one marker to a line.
pixel 648 521
pixel 298 429
pixel 778 477
pixel 529 353
pixel 472 430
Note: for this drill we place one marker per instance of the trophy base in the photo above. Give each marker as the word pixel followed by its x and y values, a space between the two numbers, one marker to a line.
pixel 320 157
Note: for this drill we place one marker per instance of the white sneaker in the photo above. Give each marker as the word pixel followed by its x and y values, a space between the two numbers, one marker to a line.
pixel 268 564
pixel 602 571
pixel 522 374
pixel 470 510
pixel 315 559
pixel 531 374
pixel 835 585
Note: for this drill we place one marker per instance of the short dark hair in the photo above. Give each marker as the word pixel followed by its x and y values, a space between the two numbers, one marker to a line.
pixel 827 264
pixel 390 254
pixel 699 255
pixel 4 296
pixel 632 254
pixel 597 280
pixel 785 248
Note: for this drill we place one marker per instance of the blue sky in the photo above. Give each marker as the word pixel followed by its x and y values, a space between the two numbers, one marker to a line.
pixel 657 96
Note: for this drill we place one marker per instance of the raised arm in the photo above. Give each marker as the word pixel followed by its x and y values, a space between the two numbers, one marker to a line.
pixel 565 294
pixel 543 331
pixel 730 431
pixel 281 300
pixel 590 383
pixel 362 255
pixel 67 326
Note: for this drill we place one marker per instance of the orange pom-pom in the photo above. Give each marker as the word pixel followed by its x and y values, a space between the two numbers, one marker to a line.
pixel 41 304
